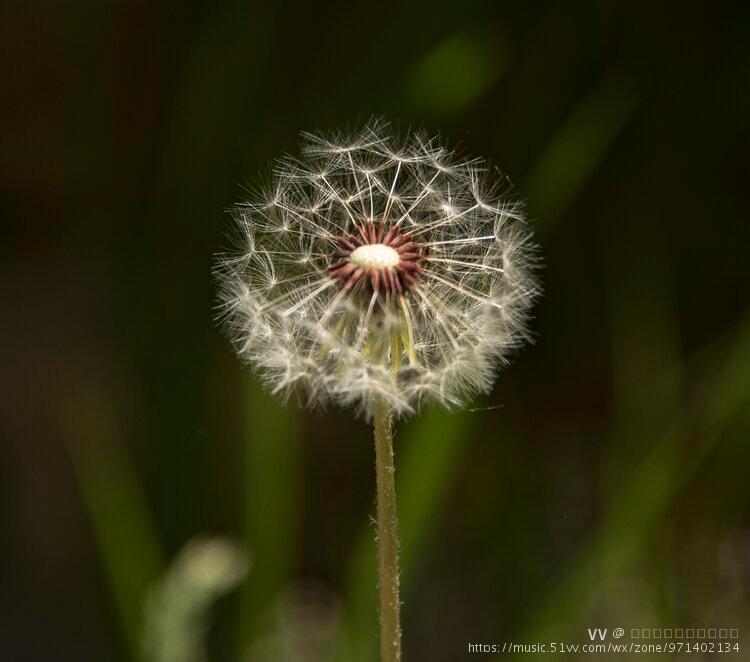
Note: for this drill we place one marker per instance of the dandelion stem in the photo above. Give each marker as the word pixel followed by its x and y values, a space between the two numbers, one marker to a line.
pixel 390 628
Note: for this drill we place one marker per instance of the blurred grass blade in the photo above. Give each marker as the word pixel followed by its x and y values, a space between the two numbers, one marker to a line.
pixel 271 483
pixel 130 549
pixel 645 351
pixel 178 609
pixel 455 73
pixel 426 454
pixel 644 500
pixel 437 437
pixel 578 147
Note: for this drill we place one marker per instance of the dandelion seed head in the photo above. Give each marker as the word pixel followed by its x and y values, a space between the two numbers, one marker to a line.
pixel 378 267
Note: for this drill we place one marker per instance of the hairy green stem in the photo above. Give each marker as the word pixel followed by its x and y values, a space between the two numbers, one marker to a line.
pixel 390 627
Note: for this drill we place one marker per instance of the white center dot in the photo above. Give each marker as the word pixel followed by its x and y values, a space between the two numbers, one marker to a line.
pixel 375 256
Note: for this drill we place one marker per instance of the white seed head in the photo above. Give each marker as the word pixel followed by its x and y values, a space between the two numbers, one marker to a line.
pixel 373 267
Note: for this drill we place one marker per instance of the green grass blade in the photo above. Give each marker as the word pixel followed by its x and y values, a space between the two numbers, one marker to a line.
pixel 454 74
pixel 271 505
pixel 578 147
pixel 130 550
pixel 644 500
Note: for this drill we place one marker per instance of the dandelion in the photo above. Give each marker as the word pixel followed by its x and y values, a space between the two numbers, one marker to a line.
pixel 380 274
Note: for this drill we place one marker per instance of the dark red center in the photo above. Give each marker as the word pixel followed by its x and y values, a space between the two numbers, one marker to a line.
pixel 399 278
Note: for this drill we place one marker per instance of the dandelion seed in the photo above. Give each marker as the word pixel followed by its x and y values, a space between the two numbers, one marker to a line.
pixel 379 268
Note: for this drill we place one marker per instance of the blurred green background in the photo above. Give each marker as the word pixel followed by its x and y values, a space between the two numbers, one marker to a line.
pixel 603 483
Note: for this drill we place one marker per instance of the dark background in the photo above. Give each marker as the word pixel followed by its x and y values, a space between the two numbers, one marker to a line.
pixel 604 481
